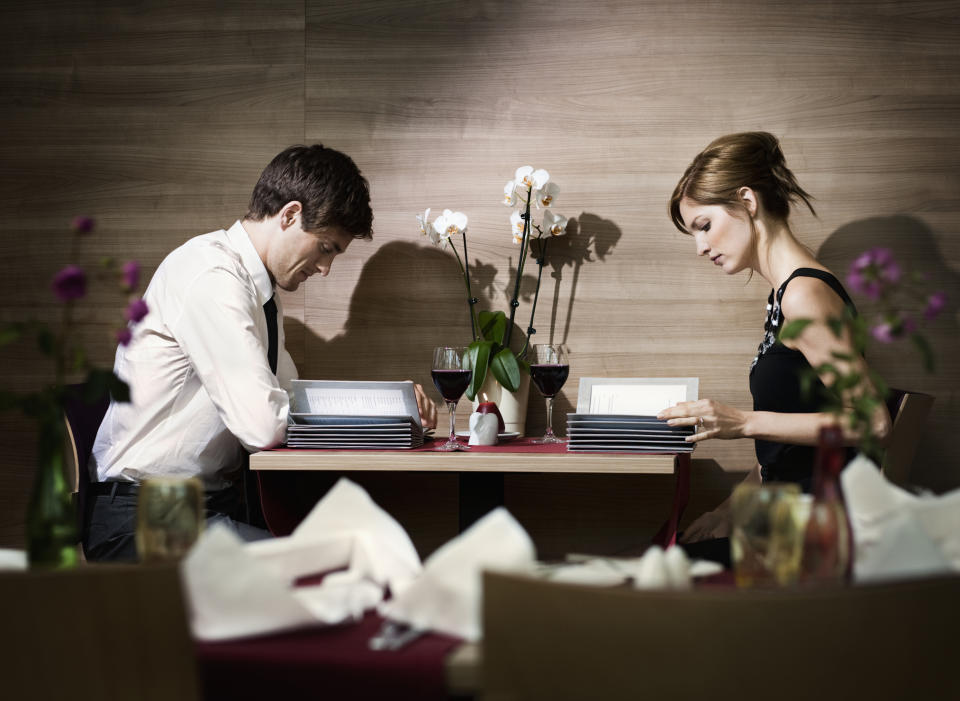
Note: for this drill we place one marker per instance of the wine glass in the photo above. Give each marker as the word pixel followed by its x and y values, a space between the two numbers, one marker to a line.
pixel 451 376
pixel 548 370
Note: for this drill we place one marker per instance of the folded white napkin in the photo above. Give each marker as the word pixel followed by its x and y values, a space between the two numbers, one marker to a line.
pixel 13 559
pixel 897 534
pixel 655 570
pixel 447 595
pixel 238 589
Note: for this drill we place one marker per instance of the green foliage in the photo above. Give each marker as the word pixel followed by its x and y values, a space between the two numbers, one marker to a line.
pixel 479 360
pixel 506 369
pixel 493 326
pixel 793 329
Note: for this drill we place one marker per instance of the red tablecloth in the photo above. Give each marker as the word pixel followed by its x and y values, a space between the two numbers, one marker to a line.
pixel 327 663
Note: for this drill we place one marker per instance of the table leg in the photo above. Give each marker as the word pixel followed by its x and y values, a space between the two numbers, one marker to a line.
pixel 667 535
pixel 480 493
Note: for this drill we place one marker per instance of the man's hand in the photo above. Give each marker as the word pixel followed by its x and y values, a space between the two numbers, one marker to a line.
pixel 428 410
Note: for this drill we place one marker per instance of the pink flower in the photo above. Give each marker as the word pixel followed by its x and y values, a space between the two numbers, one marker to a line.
pixel 883 332
pixel 131 274
pixel 873 271
pixel 136 310
pixel 70 283
pixel 124 336
pixel 81 224
pixel 935 304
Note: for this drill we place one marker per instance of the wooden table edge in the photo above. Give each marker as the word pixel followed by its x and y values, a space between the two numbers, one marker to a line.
pixel 433 461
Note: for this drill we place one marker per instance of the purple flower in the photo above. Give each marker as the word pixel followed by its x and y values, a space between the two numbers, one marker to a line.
pixel 883 332
pixel 935 304
pixel 70 283
pixel 81 224
pixel 124 336
pixel 872 271
pixel 131 274
pixel 136 310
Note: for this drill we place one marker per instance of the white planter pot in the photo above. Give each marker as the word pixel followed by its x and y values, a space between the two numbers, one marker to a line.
pixel 512 405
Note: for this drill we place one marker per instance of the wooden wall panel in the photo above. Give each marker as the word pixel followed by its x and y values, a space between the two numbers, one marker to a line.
pixel 157 117
pixel 439 102
pixel 153 118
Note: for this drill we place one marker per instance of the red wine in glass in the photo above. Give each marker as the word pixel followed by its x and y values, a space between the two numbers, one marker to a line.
pixel 549 369
pixel 451 384
pixel 451 373
pixel 549 378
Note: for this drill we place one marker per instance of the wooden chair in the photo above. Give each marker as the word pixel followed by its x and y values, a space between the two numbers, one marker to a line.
pixel 97 633
pixel 558 641
pixel 909 411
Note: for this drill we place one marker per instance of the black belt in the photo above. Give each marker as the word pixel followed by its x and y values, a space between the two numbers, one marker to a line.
pixel 124 489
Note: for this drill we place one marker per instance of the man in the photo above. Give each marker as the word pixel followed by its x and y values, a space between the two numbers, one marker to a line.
pixel 207 366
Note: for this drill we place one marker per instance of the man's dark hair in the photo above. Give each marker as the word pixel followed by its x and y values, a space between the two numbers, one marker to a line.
pixel 325 181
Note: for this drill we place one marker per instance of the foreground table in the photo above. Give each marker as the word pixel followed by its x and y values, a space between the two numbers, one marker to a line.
pixel 481 471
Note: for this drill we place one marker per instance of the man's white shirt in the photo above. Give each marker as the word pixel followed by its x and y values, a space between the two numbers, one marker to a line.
pixel 201 387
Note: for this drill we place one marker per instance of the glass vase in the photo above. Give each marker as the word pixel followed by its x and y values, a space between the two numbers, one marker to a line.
pixel 51 514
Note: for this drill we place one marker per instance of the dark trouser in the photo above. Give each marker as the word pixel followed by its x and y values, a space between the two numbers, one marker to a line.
pixel 111 521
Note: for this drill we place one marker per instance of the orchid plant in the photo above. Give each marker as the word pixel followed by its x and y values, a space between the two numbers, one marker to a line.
pixel 491 330
pixel 69 286
pixel 876 275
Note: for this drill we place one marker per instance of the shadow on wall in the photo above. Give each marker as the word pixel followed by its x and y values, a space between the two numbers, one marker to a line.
pixel 410 298
pixel 914 245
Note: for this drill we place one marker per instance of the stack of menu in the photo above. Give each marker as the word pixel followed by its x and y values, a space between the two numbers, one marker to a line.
pixel 619 415
pixel 353 415
pixel 625 433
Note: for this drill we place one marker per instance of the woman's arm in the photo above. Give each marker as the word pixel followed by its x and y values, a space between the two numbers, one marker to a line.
pixel 805 298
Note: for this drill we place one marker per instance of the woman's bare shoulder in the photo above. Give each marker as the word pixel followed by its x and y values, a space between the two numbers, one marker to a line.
pixel 808 297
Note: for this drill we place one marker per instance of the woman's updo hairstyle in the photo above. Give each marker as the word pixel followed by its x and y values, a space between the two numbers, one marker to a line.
pixel 752 159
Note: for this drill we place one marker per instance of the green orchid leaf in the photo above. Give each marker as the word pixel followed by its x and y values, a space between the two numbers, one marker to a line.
pixel 842 356
pixel 479 360
pixel 493 326
pixel 793 329
pixel 506 369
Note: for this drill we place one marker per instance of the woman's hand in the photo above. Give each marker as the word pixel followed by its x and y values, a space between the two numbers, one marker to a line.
pixel 428 410
pixel 713 524
pixel 712 419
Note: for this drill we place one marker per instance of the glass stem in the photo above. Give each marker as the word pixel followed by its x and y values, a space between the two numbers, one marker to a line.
pixel 549 417
pixel 453 421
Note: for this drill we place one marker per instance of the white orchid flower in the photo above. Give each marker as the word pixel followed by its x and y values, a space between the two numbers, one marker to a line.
pixel 424 222
pixel 516 227
pixel 545 196
pixel 527 177
pixel 510 193
pixel 554 224
pixel 450 224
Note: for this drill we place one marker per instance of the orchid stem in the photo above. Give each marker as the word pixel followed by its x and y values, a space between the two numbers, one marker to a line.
pixel 523 254
pixel 536 294
pixel 465 271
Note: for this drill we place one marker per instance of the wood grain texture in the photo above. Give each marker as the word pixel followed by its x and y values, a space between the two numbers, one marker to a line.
pixel 156 118
pixel 430 461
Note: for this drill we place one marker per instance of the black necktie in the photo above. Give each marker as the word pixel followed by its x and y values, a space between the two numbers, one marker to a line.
pixel 270 311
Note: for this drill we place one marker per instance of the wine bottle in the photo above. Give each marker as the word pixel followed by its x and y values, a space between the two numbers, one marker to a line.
pixel 827 542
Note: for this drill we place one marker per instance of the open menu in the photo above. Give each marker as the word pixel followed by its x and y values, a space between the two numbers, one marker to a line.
pixel 353 415
pixel 620 415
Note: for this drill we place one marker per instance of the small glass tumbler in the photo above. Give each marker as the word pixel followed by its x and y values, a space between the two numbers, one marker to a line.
pixel 789 516
pixel 752 509
pixel 170 517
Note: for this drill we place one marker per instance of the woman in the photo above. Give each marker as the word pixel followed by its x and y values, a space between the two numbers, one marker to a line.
pixel 734 199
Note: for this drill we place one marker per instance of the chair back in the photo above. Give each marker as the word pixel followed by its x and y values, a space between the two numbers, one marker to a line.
pixel 83 420
pixel 559 641
pixel 103 633
pixel 908 411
